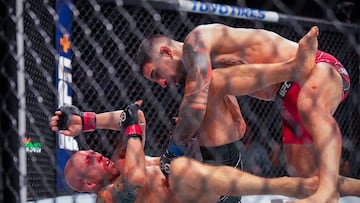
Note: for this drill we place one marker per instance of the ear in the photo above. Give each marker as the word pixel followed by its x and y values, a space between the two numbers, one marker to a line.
pixel 166 51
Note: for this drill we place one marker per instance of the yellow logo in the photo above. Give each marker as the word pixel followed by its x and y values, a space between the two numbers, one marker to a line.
pixel 65 43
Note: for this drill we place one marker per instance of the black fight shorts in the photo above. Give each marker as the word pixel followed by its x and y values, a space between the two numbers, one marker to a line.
pixel 228 154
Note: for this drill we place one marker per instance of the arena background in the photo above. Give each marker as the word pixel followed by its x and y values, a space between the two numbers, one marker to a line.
pixel 82 52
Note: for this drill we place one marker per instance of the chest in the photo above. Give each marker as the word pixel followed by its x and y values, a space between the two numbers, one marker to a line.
pixel 157 190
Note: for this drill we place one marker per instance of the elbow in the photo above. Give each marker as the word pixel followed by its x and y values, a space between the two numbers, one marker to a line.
pixel 181 141
pixel 198 117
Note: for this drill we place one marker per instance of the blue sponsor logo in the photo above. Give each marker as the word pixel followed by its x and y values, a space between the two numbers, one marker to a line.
pixel 221 9
pixel 233 11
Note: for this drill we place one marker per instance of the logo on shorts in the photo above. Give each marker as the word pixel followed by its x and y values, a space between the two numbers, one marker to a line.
pixel 284 88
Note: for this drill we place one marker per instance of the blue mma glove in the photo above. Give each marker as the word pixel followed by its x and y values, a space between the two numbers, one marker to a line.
pixel 170 153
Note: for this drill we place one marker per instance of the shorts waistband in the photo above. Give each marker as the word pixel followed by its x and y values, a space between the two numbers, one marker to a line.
pixel 228 154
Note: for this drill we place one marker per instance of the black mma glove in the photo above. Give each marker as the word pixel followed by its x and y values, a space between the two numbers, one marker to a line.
pixel 130 121
pixel 88 118
pixel 170 153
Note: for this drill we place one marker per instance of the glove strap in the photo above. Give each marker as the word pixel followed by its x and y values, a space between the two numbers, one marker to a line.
pixel 134 131
pixel 89 121
pixel 176 149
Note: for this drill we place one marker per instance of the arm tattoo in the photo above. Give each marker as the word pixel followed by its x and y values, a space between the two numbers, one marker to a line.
pixel 125 191
pixel 199 72
pixel 197 60
pixel 193 106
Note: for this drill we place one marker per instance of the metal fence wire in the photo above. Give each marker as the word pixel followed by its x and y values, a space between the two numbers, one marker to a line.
pixel 105 37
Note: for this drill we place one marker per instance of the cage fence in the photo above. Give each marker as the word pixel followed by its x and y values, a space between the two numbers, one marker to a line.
pixel 104 38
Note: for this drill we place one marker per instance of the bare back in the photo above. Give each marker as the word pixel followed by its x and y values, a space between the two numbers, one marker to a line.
pixel 233 46
pixel 242 45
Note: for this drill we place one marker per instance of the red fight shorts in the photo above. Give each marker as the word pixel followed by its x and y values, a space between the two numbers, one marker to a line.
pixel 294 131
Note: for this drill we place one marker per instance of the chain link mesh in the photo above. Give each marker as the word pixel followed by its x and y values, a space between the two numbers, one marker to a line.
pixel 105 38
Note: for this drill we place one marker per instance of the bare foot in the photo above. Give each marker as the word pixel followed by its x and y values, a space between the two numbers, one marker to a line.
pixel 318 197
pixel 309 186
pixel 301 187
pixel 314 199
pixel 305 56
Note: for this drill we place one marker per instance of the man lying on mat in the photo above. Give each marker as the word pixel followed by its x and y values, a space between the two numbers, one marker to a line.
pixel 138 178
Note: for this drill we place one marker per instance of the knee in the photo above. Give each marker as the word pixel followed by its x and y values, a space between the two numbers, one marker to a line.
pixel 308 108
pixel 311 104
pixel 184 168
pixel 177 165
pixel 306 102
pixel 314 110
pixel 180 173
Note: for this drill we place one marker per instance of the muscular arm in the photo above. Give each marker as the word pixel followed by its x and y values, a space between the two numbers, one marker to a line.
pixel 134 163
pixel 108 120
pixel 133 174
pixel 111 120
pixel 193 106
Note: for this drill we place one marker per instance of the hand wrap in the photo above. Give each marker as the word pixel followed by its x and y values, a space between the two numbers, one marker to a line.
pixel 88 119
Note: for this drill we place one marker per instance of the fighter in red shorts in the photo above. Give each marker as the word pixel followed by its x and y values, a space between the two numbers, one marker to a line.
pixel 208 59
pixel 294 131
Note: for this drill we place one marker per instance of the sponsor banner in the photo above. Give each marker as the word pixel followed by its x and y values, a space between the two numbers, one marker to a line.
pixel 32 146
pixel 228 10
pixel 65 145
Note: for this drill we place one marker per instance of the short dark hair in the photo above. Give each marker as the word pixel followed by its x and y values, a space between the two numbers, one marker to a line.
pixel 145 50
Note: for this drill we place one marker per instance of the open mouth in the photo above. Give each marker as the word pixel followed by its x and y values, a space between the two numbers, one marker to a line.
pixel 108 164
